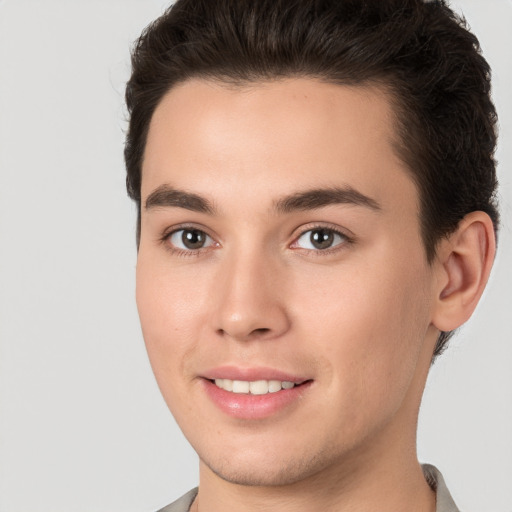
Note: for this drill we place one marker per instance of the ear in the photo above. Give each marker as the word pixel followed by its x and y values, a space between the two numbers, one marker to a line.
pixel 463 264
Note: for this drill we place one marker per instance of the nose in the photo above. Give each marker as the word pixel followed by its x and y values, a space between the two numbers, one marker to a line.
pixel 249 299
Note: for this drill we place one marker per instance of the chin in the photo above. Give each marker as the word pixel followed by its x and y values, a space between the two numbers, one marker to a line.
pixel 269 469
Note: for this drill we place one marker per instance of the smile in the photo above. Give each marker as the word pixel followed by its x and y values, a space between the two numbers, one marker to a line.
pixel 254 394
pixel 255 387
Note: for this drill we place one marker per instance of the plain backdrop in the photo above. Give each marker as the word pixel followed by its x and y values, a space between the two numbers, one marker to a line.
pixel 82 425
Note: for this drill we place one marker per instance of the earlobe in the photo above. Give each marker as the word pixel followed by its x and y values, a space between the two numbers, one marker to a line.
pixel 464 262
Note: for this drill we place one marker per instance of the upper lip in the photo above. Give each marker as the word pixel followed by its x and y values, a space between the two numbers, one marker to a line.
pixel 251 374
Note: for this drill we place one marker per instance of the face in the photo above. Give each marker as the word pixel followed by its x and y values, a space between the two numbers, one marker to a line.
pixel 282 283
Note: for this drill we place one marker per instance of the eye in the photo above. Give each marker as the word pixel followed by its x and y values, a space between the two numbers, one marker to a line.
pixel 319 239
pixel 189 239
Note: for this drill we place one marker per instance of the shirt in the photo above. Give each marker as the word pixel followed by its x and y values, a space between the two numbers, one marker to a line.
pixel 444 501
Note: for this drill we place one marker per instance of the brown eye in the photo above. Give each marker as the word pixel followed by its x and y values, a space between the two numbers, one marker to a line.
pixel 320 239
pixel 190 239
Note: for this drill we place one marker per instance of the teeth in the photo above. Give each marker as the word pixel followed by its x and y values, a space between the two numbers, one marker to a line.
pixel 274 385
pixel 240 386
pixel 256 387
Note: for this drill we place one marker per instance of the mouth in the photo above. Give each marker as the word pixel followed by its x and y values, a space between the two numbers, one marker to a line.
pixel 248 395
pixel 255 387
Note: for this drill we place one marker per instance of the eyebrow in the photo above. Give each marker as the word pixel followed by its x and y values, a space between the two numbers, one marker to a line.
pixel 167 196
pixel 318 198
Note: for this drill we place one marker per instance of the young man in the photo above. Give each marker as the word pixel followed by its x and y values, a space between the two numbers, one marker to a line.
pixel 315 183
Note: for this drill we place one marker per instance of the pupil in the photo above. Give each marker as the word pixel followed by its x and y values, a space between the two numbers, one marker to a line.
pixel 322 238
pixel 193 239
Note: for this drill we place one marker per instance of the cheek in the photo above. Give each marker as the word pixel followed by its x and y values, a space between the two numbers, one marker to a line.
pixel 369 327
pixel 169 304
pixel 368 303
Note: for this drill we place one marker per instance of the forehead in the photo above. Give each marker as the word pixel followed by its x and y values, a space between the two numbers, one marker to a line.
pixel 292 132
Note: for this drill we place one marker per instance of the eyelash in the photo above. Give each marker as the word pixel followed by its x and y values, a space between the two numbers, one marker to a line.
pixel 346 240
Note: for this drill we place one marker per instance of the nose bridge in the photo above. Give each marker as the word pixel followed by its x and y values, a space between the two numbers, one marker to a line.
pixel 249 297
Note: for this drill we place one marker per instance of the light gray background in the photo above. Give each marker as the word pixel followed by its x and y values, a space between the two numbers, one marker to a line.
pixel 82 424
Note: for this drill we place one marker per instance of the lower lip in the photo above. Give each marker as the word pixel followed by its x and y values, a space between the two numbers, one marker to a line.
pixel 253 407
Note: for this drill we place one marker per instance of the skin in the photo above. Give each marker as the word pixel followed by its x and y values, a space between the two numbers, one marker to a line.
pixel 358 319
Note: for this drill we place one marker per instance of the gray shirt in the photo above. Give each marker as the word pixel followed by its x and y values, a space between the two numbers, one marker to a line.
pixel 444 501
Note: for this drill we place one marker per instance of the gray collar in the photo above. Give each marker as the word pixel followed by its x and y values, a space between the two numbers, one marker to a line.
pixel 444 500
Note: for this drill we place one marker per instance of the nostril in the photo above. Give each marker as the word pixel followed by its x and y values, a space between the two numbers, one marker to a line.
pixel 260 331
pixel 251 334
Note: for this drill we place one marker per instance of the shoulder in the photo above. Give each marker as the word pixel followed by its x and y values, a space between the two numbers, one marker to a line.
pixel 182 504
